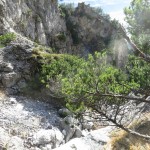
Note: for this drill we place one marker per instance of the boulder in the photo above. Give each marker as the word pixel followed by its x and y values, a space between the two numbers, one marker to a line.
pixel 63 112
pixel 95 140
pixel 69 133
pixel 10 79
pixel 51 137
pixel 43 137
pixel 78 132
pixel 70 127
pixel 22 84
pixel 87 125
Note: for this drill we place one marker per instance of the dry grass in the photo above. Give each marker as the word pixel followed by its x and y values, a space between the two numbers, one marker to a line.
pixel 121 140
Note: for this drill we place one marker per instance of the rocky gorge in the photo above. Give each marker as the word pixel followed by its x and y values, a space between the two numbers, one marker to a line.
pixel 28 122
pixel 30 118
pixel 44 22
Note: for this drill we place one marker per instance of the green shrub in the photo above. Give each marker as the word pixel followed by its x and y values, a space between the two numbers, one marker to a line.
pixel 61 36
pixel 53 68
pixel 55 65
pixel 7 38
pixel 95 75
pixel 139 71
pixel 41 48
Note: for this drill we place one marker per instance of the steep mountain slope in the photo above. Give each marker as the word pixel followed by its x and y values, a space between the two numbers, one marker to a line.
pixel 83 31
pixel 36 19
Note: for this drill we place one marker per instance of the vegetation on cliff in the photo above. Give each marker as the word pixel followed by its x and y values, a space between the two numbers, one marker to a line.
pixel 103 87
pixel 95 82
pixel 6 39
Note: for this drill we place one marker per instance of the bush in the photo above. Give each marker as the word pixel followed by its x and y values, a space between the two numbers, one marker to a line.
pixel 67 9
pixel 139 71
pixel 96 75
pixel 55 65
pixel 39 49
pixel 61 36
pixel 7 38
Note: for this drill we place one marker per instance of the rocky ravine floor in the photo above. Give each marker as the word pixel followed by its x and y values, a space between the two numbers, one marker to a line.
pixel 27 124
pixel 23 118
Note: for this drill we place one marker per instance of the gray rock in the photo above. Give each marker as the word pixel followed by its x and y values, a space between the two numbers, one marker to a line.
pixel 69 133
pixel 35 148
pixel 95 140
pixel 72 132
pixel 10 79
pixel 87 125
pixel 12 91
pixel 43 148
pixel 43 137
pixel 69 120
pixel 68 124
pixel 22 84
pixel 15 143
pixel 63 112
pixel 6 67
pixel 19 16
pixel 47 147
pixel 78 132
pixel 71 128
pixel 59 138
pixel 13 100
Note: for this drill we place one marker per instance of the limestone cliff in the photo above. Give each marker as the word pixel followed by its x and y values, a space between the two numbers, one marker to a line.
pixel 89 30
pixel 36 19
pixel 82 32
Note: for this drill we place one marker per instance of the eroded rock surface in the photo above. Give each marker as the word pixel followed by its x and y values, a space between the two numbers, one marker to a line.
pixel 35 19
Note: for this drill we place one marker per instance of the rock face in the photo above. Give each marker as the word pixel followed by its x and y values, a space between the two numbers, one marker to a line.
pixel 90 30
pixel 16 66
pixel 36 19
pixel 81 32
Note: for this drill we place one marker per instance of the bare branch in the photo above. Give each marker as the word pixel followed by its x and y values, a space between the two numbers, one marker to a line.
pixel 146 137
pixel 126 97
